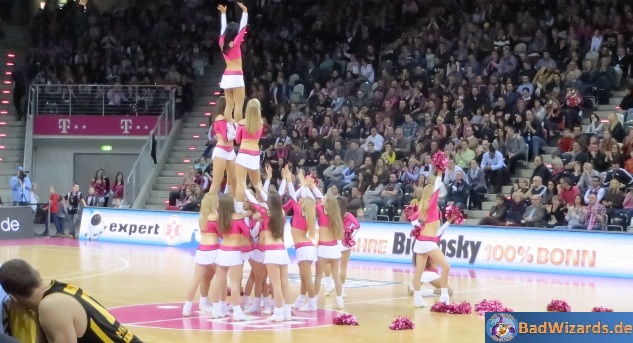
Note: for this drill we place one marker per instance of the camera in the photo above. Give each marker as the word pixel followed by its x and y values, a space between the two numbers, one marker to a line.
pixel 23 174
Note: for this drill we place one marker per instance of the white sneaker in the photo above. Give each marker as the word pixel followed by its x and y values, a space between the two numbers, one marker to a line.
pixel 308 308
pixel 329 288
pixel 343 292
pixel 276 318
pixel 206 309
pixel 444 298
pixel 299 303
pixel 224 310
pixel 267 310
pixel 339 303
pixel 287 314
pixel 186 310
pixel 254 308
pixel 419 302
pixel 238 315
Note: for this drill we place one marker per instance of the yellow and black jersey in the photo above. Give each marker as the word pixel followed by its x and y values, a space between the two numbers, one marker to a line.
pixel 102 326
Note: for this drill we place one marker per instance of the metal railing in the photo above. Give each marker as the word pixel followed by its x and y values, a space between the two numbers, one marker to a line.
pixel 28 133
pixel 145 162
pixel 100 99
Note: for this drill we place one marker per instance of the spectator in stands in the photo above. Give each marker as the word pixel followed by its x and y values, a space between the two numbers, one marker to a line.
pixel 594 216
pixel 188 179
pixel 535 215
pixel 595 189
pixel 373 192
pixel 333 175
pixel 497 214
pixel 516 209
pixel 515 148
pixel 458 191
pixel 477 183
pixel 355 199
pixel 541 170
pixel 118 188
pixel 613 198
pixel 494 169
pixel 617 173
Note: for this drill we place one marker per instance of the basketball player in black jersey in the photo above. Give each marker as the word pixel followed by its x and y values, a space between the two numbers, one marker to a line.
pixel 66 313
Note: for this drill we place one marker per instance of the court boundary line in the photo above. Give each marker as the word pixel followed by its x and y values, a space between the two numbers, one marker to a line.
pixel 126 264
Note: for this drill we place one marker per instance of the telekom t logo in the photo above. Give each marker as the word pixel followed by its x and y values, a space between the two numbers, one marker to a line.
pixel 126 125
pixel 64 124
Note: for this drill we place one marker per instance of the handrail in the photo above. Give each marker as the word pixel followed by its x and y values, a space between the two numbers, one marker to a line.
pixel 27 162
pixel 91 99
pixel 144 163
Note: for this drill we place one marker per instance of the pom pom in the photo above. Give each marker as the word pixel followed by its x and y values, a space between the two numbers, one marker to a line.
pixel 491 306
pixel 558 306
pixel 601 309
pixel 439 161
pixel 345 319
pixel 452 308
pixel 348 240
pixel 452 211
pixel 314 178
pixel 416 230
pixel 402 323
pixel 409 210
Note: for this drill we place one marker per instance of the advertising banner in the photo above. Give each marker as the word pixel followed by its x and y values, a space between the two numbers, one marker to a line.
pixel 16 222
pixel 86 125
pixel 542 250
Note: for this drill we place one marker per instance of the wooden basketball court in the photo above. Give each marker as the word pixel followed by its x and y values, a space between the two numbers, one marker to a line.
pixel 145 286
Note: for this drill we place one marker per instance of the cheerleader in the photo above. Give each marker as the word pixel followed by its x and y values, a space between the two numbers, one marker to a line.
pixel 430 276
pixel 350 228
pixel 233 227
pixel 303 227
pixel 257 280
pixel 231 38
pixel 330 232
pixel 426 244
pixel 249 131
pixel 223 155
pixel 272 245
pixel 205 255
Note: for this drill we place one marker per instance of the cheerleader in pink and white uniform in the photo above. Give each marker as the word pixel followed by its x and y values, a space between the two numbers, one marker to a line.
pixel 247 163
pixel 205 254
pixel 426 243
pixel 233 228
pixel 350 229
pixel 303 227
pixel 223 156
pixel 231 38
pixel 271 243
pixel 330 232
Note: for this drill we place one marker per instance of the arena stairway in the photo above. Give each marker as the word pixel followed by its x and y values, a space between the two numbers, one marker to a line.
pixel 12 57
pixel 524 169
pixel 191 140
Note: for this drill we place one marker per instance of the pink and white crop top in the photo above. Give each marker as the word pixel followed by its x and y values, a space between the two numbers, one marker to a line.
pixel 350 222
pixel 234 52
pixel 220 127
pixel 298 221
pixel 212 227
pixel 242 133
pixel 239 226
pixel 322 218
pixel 433 213
pixel 264 213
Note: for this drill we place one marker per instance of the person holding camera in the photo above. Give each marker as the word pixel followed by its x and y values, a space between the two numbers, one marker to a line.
pixel 21 188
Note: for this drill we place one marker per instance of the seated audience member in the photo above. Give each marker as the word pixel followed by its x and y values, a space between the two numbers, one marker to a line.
pixel 188 179
pixel 541 170
pixel 494 169
pixel 535 215
pixel 497 214
pixel 595 188
pixel 355 200
pixel 588 173
pixel 516 209
pixel 567 191
pixel 613 198
pixel 65 313
pixel 477 182
pixel 556 212
pixel 624 178
pixel 594 216
pixel 458 191
pixel 537 188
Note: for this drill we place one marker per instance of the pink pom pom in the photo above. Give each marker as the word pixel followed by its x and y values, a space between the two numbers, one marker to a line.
pixel 452 308
pixel 439 161
pixel 348 240
pixel 558 306
pixel 345 319
pixel 409 210
pixel 455 213
pixel 601 309
pixel 417 230
pixel 491 306
pixel 402 323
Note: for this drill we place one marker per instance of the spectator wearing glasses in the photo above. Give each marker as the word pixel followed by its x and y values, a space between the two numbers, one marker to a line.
pixel 594 216
pixel 535 215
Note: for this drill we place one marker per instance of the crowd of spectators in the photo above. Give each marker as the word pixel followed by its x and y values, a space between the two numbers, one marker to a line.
pixel 491 83
pixel 136 43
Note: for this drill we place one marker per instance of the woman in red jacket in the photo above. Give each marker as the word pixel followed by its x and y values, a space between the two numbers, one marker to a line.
pixel 53 203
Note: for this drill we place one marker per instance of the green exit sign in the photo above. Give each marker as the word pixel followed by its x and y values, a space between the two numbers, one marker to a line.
pixel 106 148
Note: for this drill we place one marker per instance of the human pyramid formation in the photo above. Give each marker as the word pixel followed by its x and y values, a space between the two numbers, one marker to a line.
pixel 238 225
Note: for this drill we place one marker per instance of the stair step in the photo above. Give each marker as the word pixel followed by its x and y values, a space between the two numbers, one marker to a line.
pixel 165 187
pixel 187 155
pixel 159 194
pixel 169 180
pixel 13 153
pixel 171 173
pixel 199 148
pixel 11 132
pixel 12 142
pixel 471 221
pixel 155 207
pixel 189 141
pixel 157 201
pixel 180 167
pixel 477 214
pixel 16 159
pixel 202 131
pixel 197 120
pixel 193 125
